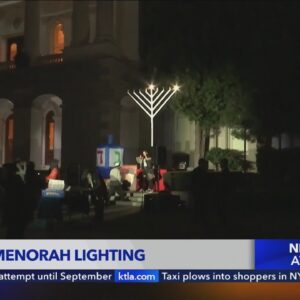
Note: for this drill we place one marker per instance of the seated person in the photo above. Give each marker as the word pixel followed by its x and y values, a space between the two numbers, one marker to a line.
pixel 54 171
pixel 115 182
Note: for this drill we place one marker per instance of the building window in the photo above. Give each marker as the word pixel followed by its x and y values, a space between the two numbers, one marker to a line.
pixel 59 38
pixel 14 45
pixel 13 51
pixel 49 137
pixel 9 138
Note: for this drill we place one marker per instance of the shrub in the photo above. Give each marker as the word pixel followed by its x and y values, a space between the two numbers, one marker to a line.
pixel 235 158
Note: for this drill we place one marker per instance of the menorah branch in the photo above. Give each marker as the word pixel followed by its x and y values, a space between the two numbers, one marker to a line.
pixel 152 101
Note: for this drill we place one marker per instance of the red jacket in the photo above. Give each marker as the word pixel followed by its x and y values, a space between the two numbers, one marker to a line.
pixel 54 174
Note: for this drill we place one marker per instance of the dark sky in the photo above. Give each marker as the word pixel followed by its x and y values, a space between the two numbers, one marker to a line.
pixel 264 34
pixel 261 39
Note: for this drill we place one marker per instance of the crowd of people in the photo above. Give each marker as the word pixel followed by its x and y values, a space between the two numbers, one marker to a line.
pixel 21 193
pixel 21 188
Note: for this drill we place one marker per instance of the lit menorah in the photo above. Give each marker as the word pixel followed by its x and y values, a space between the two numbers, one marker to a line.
pixel 152 101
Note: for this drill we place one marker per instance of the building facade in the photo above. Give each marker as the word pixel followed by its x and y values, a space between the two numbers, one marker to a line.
pixel 65 68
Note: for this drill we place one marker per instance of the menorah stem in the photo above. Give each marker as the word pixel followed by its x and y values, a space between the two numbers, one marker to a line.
pixel 152 132
pixel 151 105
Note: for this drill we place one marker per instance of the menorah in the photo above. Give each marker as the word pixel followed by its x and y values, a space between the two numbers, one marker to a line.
pixel 152 101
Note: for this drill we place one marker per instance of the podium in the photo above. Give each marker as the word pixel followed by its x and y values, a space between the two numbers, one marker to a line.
pixel 52 200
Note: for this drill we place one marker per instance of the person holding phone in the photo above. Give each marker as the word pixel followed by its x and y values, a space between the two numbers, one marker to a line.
pixel 147 175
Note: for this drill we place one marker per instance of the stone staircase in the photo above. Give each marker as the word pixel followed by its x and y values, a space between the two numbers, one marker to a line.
pixel 136 198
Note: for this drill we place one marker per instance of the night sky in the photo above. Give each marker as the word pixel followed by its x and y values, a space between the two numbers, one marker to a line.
pixel 261 39
pixel 197 33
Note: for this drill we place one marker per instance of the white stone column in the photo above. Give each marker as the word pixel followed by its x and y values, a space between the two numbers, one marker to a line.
pixel 32 29
pixel 80 23
pixel 105 21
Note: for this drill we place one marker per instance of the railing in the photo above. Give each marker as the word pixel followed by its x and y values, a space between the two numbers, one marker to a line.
pixel 7 65
pixel 42 60
pixel 50 59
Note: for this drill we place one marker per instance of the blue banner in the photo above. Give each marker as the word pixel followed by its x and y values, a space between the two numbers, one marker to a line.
pixel 277 254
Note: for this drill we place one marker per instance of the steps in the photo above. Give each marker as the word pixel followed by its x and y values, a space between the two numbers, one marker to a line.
pixel 136 198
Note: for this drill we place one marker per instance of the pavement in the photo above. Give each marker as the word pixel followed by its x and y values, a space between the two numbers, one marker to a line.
pixel 128 220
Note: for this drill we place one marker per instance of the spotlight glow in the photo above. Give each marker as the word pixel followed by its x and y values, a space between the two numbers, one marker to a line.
pixel 176 87
pixel 151 87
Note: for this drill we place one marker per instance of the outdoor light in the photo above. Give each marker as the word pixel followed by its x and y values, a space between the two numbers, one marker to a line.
pixel 152 100
pixel 176 87
pixel 151 86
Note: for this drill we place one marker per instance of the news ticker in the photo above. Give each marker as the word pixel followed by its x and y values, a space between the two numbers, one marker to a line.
pixel 150 260
pixel 147 276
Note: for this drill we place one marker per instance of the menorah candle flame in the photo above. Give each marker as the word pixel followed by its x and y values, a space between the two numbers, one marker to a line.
pixel 151 101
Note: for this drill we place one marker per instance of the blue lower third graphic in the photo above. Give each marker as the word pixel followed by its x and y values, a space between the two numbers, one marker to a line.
pixel 277 254
pixel 137 276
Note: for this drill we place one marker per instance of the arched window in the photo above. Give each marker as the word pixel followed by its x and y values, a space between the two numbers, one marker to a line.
pixel 13 51
pixel 9 138
pixel 49 137
pixel 59 38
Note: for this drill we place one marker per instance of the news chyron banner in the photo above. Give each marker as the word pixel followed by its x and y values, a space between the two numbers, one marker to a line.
pixel 149 261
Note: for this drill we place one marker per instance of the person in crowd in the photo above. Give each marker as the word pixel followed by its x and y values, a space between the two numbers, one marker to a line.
pixel 157 177
pixel 54 172
pixel 15 218
pixel 200 188
pixel 33 188
pixel 224 166
pixel 72 176
pixel 21 166
pixel 115 182
pixel 225 188
pixel 147 175
pixel 98 192
pixel 101 189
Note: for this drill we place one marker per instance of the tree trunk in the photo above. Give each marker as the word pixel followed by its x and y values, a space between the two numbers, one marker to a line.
pixel 207 138
pixel 202 143
pixel 217 144
pixel 216 137
pixel 245 149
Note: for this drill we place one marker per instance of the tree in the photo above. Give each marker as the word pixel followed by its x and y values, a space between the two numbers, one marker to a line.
pixel 205 34
pixel 213 99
